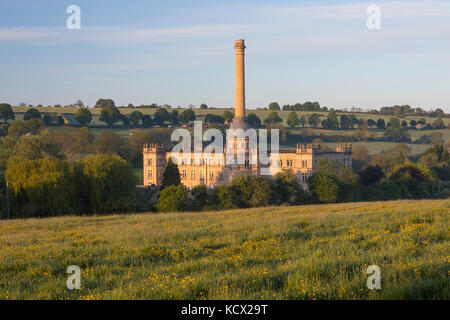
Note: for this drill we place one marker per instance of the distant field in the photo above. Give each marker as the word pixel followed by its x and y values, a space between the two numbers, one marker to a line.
pixel 262 114
pixel 373 147
pixel 304 252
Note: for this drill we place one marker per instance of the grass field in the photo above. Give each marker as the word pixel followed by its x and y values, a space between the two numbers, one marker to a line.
pixel 305 252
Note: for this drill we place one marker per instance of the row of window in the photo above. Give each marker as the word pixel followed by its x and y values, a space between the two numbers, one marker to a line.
pixel 202 174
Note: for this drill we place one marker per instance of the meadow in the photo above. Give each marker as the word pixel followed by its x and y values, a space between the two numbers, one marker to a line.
pixel 303 252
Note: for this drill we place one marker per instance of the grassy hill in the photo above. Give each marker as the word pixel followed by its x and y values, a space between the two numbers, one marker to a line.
pixel 305 252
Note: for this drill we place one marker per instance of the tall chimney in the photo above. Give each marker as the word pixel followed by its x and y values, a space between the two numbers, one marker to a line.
pixel 239 113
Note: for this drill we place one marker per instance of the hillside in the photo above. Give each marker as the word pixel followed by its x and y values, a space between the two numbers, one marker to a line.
pixel 304 252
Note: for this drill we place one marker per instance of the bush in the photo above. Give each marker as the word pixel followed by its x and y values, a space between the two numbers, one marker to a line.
pixel 323 188
pixel 173 199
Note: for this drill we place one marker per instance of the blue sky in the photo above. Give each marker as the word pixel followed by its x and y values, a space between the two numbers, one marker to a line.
pixel 181 52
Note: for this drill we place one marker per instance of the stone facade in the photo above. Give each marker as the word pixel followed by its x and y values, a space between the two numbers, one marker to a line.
pixel 197 168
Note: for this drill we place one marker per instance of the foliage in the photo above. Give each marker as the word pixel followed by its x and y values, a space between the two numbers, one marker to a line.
pixel 83 116
pixel 32 113
pixel 110 114
pixel 107 184
pixel 173 198
pixel 171 175
pixel 323 188
pixel 6 112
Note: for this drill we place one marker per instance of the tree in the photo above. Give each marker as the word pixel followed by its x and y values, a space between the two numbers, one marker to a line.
pixel 173 199
pixel 135 118
pixel 302 121
pixel 214 118
pixel 39 187
pixel 83 116
pixel 273 118
pixel 103 103
pixel 323 188
pixel 110 143
pixel 32 114
pixel 381 124
pixel 187 116
pixel 80 104
pixel 413 123
pixel 371 123
pixel 203 106
pixel 161 116
pixel 251 191
pixel 395 132
pixel 253 121
pixel 6 112
pixel 439 124
pixel 287 189
pixel 110 115
pixel 274 106
pixel 371 175
pixel 106 184
pixel 147 120
pixel 228 115
pixel 173 118
pixel 293 120
pixel 314 120
pixel 333 122
pixel 171 175
pixel 345 122
pixel 436 156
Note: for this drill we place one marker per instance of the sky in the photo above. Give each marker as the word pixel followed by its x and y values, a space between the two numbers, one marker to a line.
pixel 180 52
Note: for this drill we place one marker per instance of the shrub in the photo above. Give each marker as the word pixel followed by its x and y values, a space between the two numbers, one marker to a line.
pixel 173 199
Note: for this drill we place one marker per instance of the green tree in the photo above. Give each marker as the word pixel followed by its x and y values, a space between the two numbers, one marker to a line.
pixel 314 120
pixel 253 121
pixel 173 199
pixel 6 112
pixel 187 116
pixel 371 175
pixel 83 116
pixel 274 106
pixel 161 116
pixel 135 118
pixel 381 124
pixel 39 187
pixel 228 115
pixel 345 122
pixel 32 114
pixel 323 188
pixel 171 175
pixel 303 121
pixel 106 184
pixel 203 106
pixel 333 122
pixel 147 120
pixel 293 120
pixel 110 115
pixel 110 143
pixel 103 103
pixel 273 118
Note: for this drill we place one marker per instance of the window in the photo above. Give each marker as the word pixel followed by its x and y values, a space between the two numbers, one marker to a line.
pixel 150 174
pixel 183 175
pixel 150 162
pixel 193 174
pixel 211 175
pixel 304 177
pixel 304 163
pixel 202 175
pixel 221 175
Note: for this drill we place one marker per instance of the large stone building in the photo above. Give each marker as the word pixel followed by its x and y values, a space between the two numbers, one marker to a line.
pixel 199 168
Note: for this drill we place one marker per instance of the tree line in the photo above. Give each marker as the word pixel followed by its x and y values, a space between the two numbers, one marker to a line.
pixel 330 183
